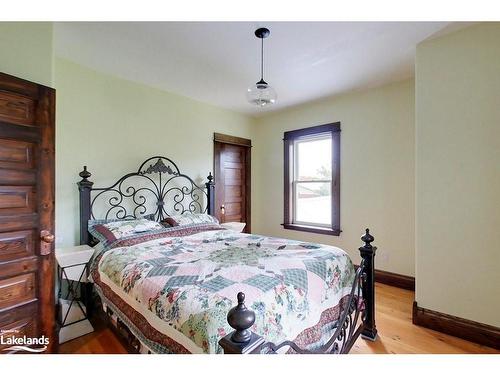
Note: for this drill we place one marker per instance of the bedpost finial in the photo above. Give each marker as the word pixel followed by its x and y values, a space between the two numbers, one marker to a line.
pixel 210 177
pixel 241 319
pixel 367 239
pixel 85 174
pixel 241 298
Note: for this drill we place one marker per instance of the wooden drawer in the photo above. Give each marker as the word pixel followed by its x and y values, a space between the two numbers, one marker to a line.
pixel 17 290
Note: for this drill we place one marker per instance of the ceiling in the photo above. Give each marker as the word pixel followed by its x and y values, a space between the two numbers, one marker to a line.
pixel 214 62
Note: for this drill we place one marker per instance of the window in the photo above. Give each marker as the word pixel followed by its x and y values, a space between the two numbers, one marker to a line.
pixel 312 179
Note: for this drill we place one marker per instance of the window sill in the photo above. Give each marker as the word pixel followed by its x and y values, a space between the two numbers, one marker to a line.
pixel 310 229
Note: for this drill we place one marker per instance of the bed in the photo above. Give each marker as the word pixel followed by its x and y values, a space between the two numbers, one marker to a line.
pixel 201 288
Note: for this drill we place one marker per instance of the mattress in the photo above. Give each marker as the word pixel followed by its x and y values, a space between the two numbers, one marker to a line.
pixel 173 290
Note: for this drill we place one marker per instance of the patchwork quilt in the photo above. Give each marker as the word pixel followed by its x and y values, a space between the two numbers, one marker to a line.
pixel 174 292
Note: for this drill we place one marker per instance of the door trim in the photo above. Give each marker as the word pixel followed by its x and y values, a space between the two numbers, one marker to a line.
pixel 46 209
pixel 232 140
pixel 247 143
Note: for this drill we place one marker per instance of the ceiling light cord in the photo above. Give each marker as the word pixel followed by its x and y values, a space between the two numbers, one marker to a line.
pixel 262 59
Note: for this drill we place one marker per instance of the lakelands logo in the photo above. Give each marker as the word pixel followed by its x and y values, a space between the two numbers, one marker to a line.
pixel 16 343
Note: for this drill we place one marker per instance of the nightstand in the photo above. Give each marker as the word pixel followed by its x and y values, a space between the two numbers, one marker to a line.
pixel 74 293
pixel 234 225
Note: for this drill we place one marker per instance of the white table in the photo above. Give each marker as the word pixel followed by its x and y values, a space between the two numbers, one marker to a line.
pixel 234 225
pixel 73 268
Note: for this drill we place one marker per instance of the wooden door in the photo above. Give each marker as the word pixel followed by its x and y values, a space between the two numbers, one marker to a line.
pixel 27 271
pixel 232 179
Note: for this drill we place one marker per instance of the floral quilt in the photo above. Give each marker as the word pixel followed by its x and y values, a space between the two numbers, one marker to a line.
pixel 183 286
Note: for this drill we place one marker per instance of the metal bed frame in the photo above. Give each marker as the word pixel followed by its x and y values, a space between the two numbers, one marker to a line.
pixel 163 183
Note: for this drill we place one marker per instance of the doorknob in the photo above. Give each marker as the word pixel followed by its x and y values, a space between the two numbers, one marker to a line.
pixel 46 236
pixel 47 239
pixel 222 209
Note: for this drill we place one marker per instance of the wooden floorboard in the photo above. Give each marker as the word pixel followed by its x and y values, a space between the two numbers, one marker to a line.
pixel 397 334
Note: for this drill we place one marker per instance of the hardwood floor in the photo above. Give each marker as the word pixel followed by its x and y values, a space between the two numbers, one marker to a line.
pixel 101 341
pixel 397 334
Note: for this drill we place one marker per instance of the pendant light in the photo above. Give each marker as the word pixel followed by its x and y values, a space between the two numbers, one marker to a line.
pixel 261 94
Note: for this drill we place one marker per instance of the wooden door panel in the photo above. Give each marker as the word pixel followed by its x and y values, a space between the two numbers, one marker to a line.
pixel 19 321
pixel 233 165
pixel 16 200
pixel 16 154
pixel 232 179
pixel 13 268
pixel 12 317
pixel 233 200
pixel 18 222
pixel 232 155
pixel 17 290
pixel 17 109
pixel 14 245
pixel 233 209
pixel 17 177
pixel 26 207
pixel 233 192
pixel 22 327
pixel 234 218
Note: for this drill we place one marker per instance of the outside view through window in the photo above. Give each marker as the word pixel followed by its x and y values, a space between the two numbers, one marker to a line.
pixel 312 180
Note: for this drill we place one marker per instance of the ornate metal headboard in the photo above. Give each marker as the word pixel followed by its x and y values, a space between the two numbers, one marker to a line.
pixel 158 188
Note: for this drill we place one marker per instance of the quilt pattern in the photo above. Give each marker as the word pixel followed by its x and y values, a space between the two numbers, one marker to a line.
pixel 191 282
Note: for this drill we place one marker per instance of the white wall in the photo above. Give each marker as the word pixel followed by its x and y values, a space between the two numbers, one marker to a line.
pixel 112 125
pixel 458 174
pixel 377 171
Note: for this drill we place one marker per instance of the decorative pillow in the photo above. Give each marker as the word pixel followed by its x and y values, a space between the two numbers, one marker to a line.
pixel 169 222
pixel 179 231
pixel 94 222
pixel 110 231
pixel 188 218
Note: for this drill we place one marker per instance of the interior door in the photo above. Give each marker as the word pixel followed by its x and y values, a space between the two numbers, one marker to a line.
pixel 27 151
pixel 232 179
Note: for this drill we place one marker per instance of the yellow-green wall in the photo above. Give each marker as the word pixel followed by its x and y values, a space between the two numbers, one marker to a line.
pixel 100 117
pixel 458 173
pixel 26 51
pixel 377 171
pixel 112 125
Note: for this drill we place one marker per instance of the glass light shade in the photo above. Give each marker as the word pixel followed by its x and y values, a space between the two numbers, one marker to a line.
pixel 261 94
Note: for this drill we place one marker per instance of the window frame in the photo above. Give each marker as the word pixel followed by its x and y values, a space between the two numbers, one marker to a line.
pixel 289 140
